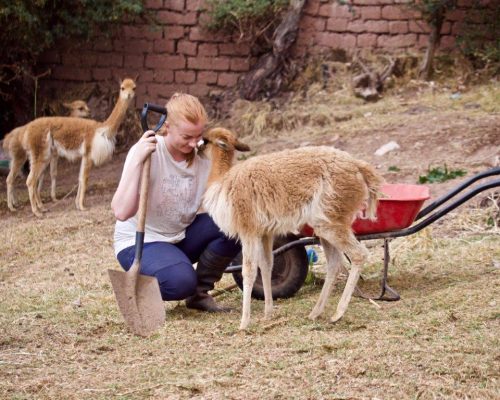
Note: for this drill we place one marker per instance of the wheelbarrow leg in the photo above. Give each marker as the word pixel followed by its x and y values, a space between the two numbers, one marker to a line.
pixel 386 292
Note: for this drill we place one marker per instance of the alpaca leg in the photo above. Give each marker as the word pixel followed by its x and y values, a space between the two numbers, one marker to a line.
pixel 266 267
pixel 357 253
pixel 36 168
pixel 53 177
pixel 38 192
pixel 249 272
pixel 82 182
pixel 333 266
pixel 15 167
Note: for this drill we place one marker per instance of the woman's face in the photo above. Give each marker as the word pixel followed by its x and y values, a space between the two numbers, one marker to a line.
pixel 183 136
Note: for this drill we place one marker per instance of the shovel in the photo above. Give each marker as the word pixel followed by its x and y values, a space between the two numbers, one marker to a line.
pixel 138 296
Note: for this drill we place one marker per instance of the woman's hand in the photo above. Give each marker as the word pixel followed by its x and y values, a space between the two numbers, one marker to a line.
pixel 145 146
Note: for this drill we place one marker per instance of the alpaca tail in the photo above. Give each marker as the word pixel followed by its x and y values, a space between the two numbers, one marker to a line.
pixel 373 183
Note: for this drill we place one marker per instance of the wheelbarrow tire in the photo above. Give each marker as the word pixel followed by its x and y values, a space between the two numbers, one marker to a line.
pixel 289 271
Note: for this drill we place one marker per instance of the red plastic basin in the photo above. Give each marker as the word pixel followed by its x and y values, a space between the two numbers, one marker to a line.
pixel 396 210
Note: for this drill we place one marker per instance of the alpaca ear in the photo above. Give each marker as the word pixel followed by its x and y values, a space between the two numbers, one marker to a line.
pixel 66 105
pixel 241 146
pixel 119 80
pixel 136 78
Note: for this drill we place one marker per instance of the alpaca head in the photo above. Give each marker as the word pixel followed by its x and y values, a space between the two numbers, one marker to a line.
pixel 127 89
pixel 78 108
pixel 224 139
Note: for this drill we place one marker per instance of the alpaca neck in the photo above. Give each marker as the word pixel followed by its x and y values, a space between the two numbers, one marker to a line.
pixel 116 117
pixel 221 163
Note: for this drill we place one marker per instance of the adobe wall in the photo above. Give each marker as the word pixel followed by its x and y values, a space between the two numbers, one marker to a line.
pixel 181 56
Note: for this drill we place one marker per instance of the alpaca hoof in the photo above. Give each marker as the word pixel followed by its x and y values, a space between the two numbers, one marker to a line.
pixel 12 208
pixel 336 318
pixel 313 316
pixel 244 325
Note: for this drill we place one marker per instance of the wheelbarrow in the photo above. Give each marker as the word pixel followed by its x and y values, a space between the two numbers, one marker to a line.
pixel 399 214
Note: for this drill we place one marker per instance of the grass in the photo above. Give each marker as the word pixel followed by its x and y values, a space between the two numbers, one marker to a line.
pixel 62 336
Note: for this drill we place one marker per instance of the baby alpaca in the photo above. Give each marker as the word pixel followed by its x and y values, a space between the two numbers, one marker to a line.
pixel 72 138
pixel 12 144
pixel 265 196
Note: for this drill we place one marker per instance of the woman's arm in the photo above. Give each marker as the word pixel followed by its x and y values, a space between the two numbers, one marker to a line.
pixel 126 198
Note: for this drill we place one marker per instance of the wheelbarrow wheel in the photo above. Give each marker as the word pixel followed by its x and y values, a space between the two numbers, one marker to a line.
pixel 289 271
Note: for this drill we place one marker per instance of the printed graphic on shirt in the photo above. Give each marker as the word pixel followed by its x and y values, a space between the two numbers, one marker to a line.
pixel 178 194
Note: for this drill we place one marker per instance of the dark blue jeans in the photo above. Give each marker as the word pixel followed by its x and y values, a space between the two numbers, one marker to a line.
pixel 172 263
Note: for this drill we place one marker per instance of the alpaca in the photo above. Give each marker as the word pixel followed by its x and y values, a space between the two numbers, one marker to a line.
pixel 12 144
pixel 72 138
pixel 277 193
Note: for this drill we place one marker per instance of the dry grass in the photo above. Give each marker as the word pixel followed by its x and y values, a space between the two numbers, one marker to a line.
pixel 61 335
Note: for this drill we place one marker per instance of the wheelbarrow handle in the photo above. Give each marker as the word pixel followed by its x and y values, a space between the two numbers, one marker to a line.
pixel 435 204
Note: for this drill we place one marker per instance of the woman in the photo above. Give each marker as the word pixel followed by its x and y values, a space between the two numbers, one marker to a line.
pixel 176 236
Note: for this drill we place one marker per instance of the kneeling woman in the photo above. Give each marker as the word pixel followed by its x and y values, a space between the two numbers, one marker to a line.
pixel 176 236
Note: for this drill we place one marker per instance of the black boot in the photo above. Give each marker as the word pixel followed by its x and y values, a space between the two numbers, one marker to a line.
pixel 209 270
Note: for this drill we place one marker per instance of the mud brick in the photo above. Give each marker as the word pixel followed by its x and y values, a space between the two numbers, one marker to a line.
pixel 71 73
pixel 312 24
pixel 337 24
pixel 234 49
pixel 239 64
pixel 163 75
pixel 162 61
pixel 101 74
pixel 208 49
pixel 173 32
pixel 164 46
pixel 207 77
pixel 185 76
pixel 208 63
pixel 396 41
pixel 176 5
pixel 377 26
pixel 367 40
pixel 110 60
pixel 370 12
pixel 175 18
pixel 198 90
pixel 134 60
pixel 398 27
pixel 227 79
pixel 394 12
pixel 186 47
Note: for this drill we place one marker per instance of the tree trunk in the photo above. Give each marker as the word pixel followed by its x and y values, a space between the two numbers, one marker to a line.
pixel 426 68
pixel 266 74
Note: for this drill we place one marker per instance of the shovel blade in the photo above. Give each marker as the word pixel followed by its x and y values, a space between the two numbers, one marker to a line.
pixel 139 301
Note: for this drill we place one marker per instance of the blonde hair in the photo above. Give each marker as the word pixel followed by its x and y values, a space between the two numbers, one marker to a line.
pixel 183 106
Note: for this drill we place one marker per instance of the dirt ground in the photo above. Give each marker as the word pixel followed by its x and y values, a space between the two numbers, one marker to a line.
pixel 61 335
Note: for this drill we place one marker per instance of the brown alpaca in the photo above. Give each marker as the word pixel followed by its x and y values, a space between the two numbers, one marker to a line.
pixel 73 138
pixel 12 144
pixel 263 197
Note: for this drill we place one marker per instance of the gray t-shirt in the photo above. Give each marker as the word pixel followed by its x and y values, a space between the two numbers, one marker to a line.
pixel 175 195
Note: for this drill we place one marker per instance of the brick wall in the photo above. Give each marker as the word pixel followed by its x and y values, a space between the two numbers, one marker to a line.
pixel 179 55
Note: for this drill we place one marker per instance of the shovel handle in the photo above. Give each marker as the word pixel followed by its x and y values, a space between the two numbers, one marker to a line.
pixel 143 206
pixel 143 199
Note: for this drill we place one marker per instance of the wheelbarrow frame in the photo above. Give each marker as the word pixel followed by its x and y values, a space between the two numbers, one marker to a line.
pixel 449 201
